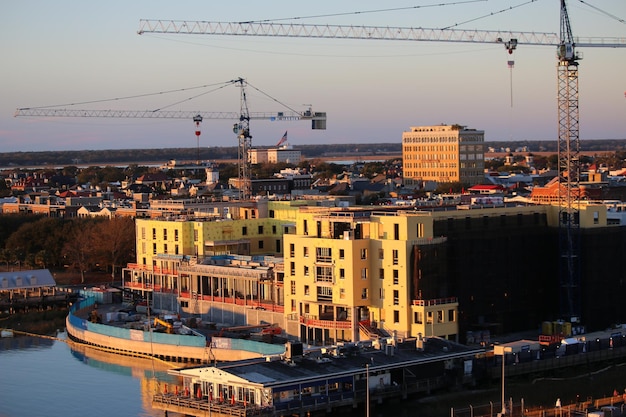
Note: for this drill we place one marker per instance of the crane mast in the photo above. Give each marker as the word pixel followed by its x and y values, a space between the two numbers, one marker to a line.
pixel 568 171
pixel 242 130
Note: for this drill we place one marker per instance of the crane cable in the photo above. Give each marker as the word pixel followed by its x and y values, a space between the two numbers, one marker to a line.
pixel 395 9
pixel 222 85
pixel 612 16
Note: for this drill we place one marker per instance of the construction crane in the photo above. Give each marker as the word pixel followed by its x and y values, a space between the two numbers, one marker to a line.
pixel 568 117
pixel 241 128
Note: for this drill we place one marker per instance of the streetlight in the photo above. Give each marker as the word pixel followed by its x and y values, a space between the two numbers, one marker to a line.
pixel 502 350
pixel 367 388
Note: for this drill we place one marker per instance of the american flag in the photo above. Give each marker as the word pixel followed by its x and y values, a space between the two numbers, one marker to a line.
pixel 283 139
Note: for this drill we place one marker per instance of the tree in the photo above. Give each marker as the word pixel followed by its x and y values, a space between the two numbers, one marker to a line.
pixel 5 191
pixel 115 244
pixel 78 250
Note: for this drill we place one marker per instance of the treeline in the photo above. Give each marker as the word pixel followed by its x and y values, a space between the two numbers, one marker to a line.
pixel 127 156
pixel 83 245
pixel 130 156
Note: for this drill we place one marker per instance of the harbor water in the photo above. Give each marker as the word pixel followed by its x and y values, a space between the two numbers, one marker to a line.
pixel 46 377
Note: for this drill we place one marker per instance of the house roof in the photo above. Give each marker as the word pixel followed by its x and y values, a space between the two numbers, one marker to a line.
pixel 36 278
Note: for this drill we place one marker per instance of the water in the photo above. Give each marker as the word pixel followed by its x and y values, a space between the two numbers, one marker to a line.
pixel 50 378
pixel 47 378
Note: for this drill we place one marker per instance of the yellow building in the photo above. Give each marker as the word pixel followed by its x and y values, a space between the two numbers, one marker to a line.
pixel 443 153
pixel 352 274
pixel 348 274
pixel 243 231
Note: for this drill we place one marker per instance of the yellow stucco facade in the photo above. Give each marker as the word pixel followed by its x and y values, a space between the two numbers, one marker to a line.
pixel 348 275
pixel 443 153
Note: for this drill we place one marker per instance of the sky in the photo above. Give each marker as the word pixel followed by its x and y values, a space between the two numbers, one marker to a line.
pixel 88 55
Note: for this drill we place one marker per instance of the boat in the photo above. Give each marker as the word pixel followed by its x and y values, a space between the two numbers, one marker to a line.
pixel 6 333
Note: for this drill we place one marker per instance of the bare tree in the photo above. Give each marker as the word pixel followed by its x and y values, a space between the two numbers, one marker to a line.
pixel 115 244
pixel 78 249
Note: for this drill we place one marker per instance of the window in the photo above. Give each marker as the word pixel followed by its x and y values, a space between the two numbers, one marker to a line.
pixel 293 287
pixel 306 290
pixel 324 274
pixel 342 273
pixel 271 214
pixel 418 317
pixel 195 235
pixel 381 273
pixel 396 231
pixel 364 294
pixel 292 250
pixel 176 235
pixel 143 232
pixel 381 254
pixel 306 251
pixel 342 293
pixel 451 315
pixel 274 229
pixel 395 277
pixel 293 305
pixel 363 254
pixel 363 273
pixel 440 316
pixel 381 293
pixel 261 244
pixel 260 229
pixel 154 250
pixel 293 268
pixel 342 254
pixel 395 256
pixel 306 270
pixel 244 230
pixel 164 234
pixel 176 250
pixel 153 234
pixel 323 255
pixel 396 316
pixel 396 297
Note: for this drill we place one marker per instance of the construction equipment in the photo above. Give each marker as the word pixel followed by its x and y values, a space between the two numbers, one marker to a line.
pixel 568 139
pixel 169 327
pixel 241 128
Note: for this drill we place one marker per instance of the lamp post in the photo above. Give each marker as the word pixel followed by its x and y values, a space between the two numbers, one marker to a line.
pixel 367 390
pixel 502 350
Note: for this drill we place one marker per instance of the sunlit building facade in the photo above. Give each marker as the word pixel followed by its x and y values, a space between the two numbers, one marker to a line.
pixel 442 154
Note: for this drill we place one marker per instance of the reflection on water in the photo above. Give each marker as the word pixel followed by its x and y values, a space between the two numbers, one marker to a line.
pixel 21 342
pixel 44 377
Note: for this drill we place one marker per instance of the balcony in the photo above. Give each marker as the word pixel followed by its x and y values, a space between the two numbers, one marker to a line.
pixel 325 324
pixel 435 302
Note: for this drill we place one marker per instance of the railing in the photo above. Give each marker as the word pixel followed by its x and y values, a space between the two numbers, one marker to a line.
pixel 435 301
pixel 235 410
pixel 326 324
pixel 581 408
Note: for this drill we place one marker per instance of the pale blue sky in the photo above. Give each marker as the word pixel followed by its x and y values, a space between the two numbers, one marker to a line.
pixel 58 52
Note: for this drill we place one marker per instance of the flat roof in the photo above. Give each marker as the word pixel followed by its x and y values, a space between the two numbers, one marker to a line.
pixel 314 366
